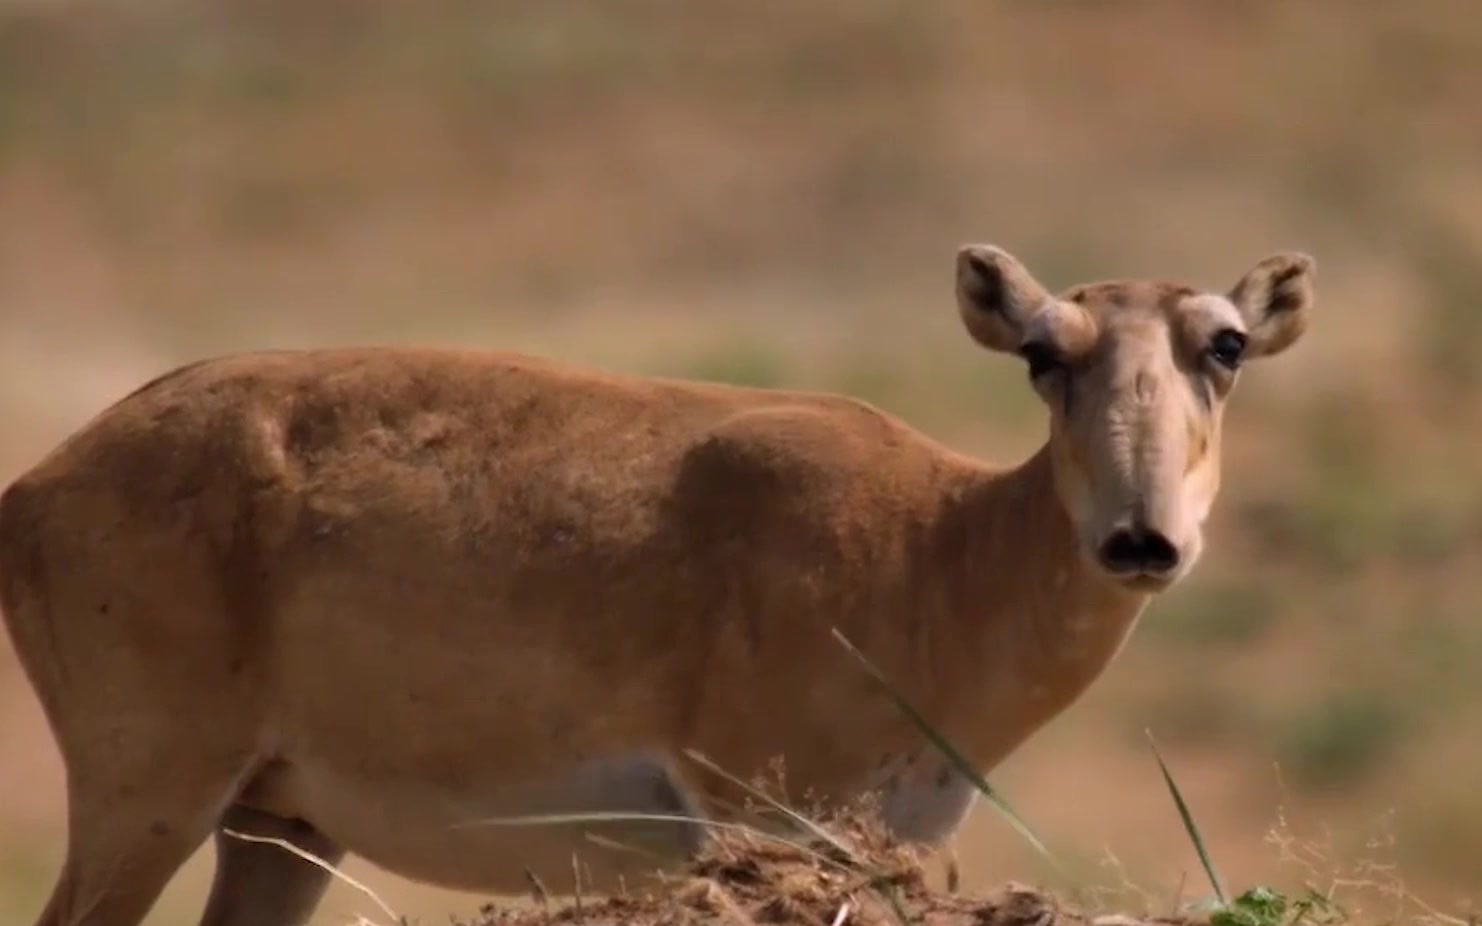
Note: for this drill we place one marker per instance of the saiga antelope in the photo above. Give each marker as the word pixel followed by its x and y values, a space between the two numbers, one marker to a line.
pixel 358 598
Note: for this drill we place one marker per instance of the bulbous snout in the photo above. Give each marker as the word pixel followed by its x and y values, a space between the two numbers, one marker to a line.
pixel 1138 469
pixel 1137 551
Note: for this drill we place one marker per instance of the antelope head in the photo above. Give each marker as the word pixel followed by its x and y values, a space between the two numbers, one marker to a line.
pixel 1136 375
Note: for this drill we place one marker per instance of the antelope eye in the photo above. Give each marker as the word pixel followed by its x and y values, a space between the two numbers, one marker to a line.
pixel 1227 348
pixel 1043 358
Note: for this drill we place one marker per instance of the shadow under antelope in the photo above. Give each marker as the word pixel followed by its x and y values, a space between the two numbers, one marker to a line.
pixel 357 599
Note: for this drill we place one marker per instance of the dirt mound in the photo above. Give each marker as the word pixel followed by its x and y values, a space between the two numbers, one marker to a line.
pixel 854 878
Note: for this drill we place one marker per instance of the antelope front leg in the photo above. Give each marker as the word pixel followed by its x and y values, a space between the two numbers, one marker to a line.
pixel 925 799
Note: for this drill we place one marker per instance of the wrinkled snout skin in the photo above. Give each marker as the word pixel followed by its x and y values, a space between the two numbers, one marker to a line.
pixel 1136 451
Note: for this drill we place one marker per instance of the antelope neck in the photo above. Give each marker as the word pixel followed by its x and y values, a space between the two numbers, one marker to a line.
pixel 1030 622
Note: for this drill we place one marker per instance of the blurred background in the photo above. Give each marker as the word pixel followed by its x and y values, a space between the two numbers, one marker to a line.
pixel 771 193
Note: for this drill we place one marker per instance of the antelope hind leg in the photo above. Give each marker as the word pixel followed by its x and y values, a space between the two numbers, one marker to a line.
pixel 127 836
pixel 263 884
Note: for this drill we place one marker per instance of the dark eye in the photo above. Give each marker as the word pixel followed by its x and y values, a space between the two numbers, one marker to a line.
pixel 1227 347
pixel 1042 357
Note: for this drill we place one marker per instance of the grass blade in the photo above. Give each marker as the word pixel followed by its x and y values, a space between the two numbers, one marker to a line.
pixel 313 859
pixel 615 816
pixel 1190 826
pixel 816 829
pixel 893 900
pixel 963 766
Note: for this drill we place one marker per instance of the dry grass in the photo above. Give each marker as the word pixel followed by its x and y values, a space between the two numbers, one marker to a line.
pixel 770 193
pixel 744 881
pixel 854 875
pixel 1367 885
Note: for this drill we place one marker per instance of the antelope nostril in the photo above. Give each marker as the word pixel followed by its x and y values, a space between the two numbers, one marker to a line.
pixel 1139 550
pixel 1158 551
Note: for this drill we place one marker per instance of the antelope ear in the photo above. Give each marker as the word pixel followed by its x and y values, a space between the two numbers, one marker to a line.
pixel 1273 299
pixel 996 296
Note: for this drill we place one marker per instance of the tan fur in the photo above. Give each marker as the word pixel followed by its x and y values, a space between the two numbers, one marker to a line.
pixel 364 598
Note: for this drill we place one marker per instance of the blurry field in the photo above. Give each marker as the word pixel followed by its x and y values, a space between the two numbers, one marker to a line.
pixel 771 194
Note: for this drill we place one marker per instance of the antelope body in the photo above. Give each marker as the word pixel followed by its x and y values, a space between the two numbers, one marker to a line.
pixel 361 599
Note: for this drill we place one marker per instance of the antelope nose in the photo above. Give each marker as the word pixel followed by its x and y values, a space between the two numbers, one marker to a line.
pixel 1136 549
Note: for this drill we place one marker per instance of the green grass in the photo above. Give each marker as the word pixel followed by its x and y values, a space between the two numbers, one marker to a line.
pixel 740 363
pixel 26 876
pixel 1260 904
pixel 1190 826
pixel 1215 612
pixel 955 756
pixel 1196 712
pixel 768 818
pixel 562 153
pixel 1340 739
pixel 1451 291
